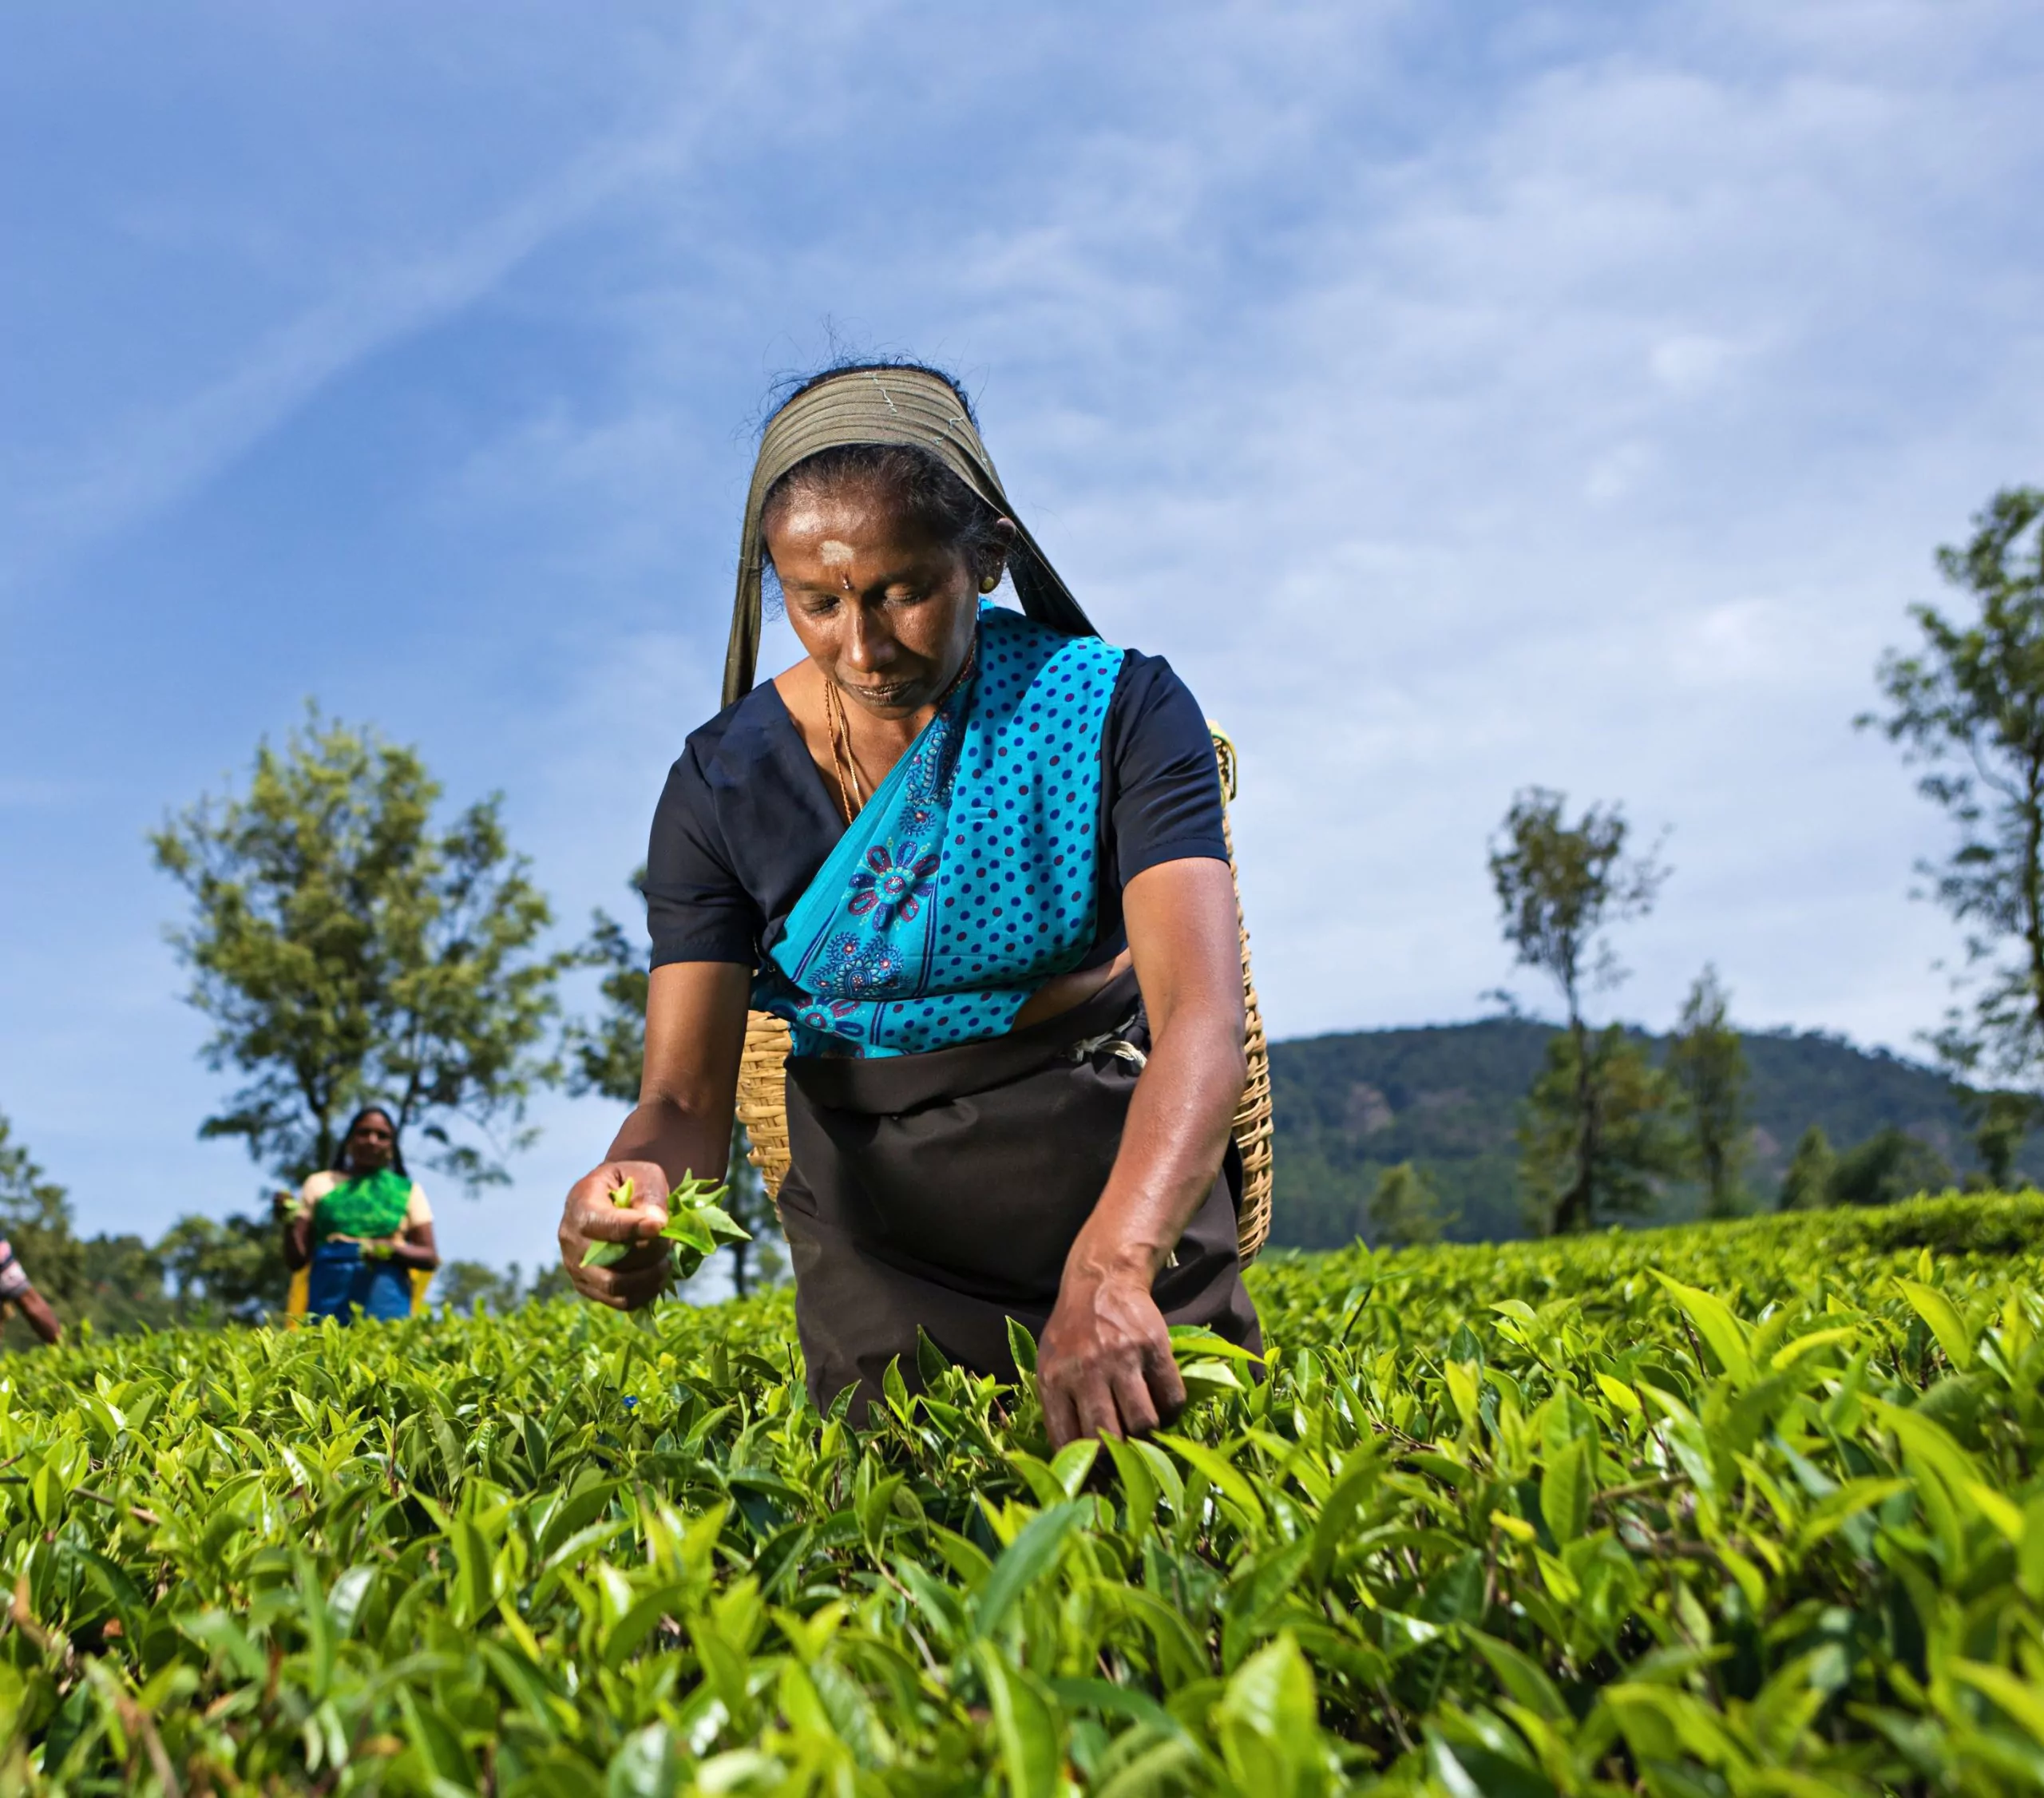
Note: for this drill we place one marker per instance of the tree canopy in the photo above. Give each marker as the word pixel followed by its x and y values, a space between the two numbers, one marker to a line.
pixel 1597 1138
pixel 348 949
pixel 1559 886
pixel 1404 1209
pixel 1807 1185
pixel 1967 704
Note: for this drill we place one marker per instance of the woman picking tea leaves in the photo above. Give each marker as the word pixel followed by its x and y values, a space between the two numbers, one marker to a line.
pixel 360 1227
pixel 974 857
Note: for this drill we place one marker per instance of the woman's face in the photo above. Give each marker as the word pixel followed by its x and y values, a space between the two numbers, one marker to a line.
pixel 884 608
pixel 372 1143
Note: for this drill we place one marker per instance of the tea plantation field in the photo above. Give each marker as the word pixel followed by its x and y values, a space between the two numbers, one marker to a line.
pixel 1747 1509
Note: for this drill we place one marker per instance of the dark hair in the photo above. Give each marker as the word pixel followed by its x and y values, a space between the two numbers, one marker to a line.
pixel 397 1153
pixel 917 480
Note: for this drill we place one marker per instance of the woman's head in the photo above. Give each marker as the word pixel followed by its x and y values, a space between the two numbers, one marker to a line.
pixel 369 1143
pixel 881 553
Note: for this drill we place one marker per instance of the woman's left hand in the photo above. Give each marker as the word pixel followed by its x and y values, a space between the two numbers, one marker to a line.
pixel 1104 1366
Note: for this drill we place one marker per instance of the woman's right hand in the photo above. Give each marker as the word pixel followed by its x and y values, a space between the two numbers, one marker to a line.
pixel 591 1216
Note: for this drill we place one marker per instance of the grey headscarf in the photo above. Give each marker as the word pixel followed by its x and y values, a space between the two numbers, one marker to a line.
pixel 882 405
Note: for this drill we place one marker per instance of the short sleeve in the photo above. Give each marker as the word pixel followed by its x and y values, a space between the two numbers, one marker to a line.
pixel 14 1277
pixel 316 1188
pixel 1164 801
pixel 417 1210
pixel 697 909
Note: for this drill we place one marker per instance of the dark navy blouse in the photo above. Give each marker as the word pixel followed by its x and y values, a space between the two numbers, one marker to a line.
pixel 746 818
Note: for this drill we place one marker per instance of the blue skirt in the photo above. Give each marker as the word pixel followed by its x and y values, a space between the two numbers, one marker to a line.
pixel 342 1281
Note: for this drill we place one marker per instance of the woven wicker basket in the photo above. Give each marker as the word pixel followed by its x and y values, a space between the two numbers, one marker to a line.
pixel 762 1077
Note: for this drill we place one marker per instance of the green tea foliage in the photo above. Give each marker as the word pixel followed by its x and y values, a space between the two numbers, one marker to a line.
pixel 1743 1509
pixel 697 1226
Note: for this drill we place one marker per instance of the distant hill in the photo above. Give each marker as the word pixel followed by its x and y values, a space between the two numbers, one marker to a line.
pixel 1447 1098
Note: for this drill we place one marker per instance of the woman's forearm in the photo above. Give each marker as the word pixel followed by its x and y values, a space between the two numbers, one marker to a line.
pixel 1179 1117
pixel 1182 924
pixel 695 1037
pixel 681 1140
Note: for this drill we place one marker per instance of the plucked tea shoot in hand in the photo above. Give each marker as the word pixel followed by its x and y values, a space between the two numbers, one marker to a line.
pixel 697 1225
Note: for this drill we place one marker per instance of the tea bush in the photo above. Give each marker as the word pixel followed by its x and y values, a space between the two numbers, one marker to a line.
pixel 1742 1509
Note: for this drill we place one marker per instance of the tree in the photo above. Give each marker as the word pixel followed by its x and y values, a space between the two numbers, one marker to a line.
pixel 1807 1185
pixel 2000 1120
pixel 550 1283
pixel 228 1270
pixel 1577 1173
pixel 607 1056
pixel 1708 1064
pixel 346 949
pixel 1559 887
pixel 124 1286
pixel 1405 1209
pixel 1890 1166
pixel 1969 707
pixel 461 1285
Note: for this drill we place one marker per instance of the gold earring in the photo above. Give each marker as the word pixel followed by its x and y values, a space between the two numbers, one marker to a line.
pixel 988 582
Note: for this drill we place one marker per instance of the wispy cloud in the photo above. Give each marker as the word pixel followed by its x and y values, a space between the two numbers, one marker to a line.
pixel 161 457
pixel 30 792
pixel 147 462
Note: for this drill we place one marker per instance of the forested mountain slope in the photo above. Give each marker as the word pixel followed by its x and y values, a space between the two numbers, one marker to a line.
pixel 1448 1097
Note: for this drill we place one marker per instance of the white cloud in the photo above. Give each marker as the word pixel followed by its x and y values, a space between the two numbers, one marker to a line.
pixel 1616 473
pixel 1691 361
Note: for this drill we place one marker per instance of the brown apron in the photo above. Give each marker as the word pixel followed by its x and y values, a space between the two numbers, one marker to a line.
pixel 942 1191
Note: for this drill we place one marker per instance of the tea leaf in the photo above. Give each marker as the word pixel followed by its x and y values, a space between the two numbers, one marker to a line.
pixel 1945 1324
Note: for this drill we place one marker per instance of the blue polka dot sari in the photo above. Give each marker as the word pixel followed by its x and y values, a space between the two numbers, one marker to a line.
pixel 969 878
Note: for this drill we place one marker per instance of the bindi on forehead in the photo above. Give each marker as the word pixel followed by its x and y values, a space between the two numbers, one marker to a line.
pixel 833 553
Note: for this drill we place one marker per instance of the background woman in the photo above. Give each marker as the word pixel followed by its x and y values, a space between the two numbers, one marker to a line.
pixel 974 858
pixel 363 1225
pixel 16 1292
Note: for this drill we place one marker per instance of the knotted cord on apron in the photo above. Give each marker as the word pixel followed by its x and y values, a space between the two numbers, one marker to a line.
pixel 904 406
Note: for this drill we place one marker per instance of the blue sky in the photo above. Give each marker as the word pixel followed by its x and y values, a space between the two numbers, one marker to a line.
pixel 1462 398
